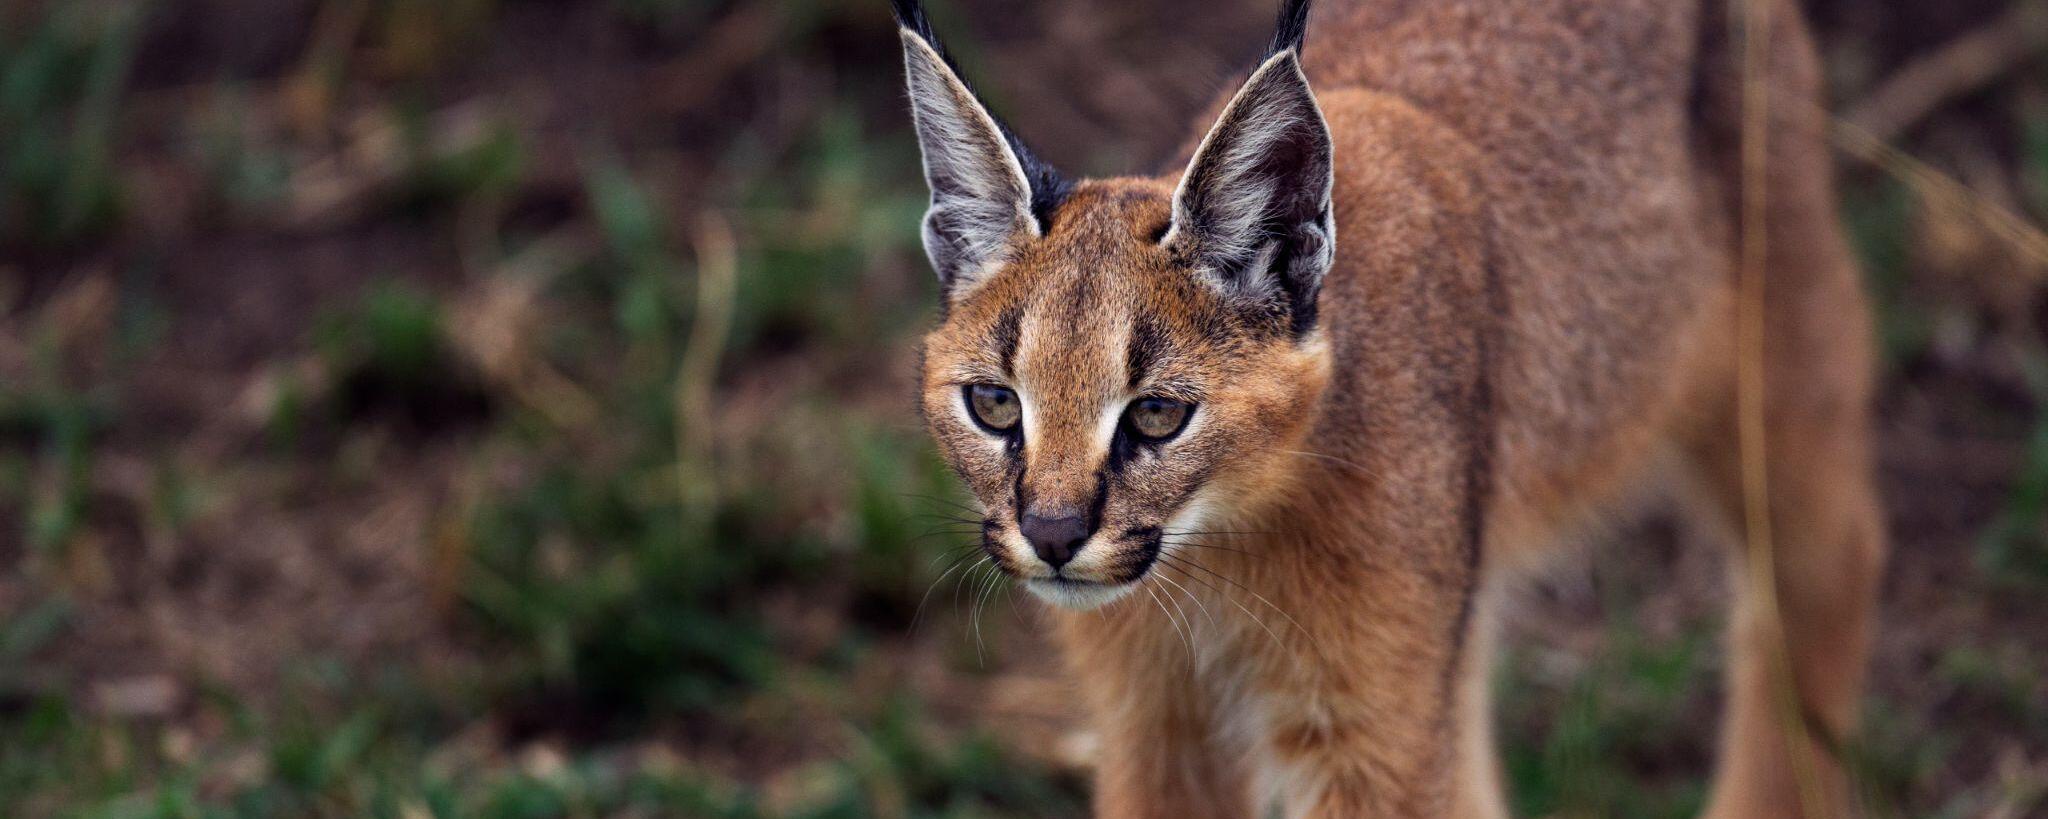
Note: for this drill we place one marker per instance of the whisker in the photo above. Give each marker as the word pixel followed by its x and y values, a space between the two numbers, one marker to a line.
pixel 935 516
pixel 1184 618
pixel 954 514
pixel 918 615
pixel 955 529
pixel 974 611
pixel 1191 596
pixel 999 591
pixel 953 556
pixel 1261 598
pixel 995 580
pixel 1194 544
pixel 1335 460
pixel 948 502
pixel 985 563
pixel 955 550
pixel 1175 624
pixel 1275 637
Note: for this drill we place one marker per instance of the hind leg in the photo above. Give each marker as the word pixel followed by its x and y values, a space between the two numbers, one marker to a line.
pixel 1781 737
pixel 1778 741
pixel 1826 546
pixel 1780 761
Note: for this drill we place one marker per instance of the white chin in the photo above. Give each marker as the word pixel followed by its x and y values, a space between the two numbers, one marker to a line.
pixel 1076 595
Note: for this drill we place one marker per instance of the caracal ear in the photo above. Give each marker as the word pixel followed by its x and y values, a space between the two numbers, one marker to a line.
pixel 1253 207
pixel 988 192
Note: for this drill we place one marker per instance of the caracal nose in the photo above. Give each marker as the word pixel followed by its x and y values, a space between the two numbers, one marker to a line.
pixel 1055 539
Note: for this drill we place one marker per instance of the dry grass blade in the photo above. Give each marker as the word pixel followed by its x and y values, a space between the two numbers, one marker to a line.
pixel 1957 68
pixel 717 266
pixel 494 327
pixel 1761 577
pixel 310 92
pixel 1940 190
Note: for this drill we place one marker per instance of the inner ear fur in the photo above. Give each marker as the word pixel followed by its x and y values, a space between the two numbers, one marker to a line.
pixel 987 190
pixel 1253 207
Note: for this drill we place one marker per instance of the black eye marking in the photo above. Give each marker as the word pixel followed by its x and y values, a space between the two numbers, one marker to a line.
pixel 1122 448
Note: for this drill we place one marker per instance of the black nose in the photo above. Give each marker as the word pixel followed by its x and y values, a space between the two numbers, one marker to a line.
pixel 1054 539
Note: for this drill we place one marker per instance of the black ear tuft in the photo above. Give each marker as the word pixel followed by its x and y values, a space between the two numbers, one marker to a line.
pixel 1253 209
pixel 1048 187
pixel 988 190
pixel 910 15
pixel 1289 32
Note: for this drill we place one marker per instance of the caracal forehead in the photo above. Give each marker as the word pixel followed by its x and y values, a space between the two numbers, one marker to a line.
pixel 1074 297
pixel 1069 303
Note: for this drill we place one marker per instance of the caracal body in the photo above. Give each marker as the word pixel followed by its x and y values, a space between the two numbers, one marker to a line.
pixel 1271 430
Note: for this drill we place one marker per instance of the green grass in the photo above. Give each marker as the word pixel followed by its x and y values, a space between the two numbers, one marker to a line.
pixel 336 751
pixel 61 80
pixel 2013 550
pixel 1581 750
pixel 1878 218
pixel 62 421
pixel 611 609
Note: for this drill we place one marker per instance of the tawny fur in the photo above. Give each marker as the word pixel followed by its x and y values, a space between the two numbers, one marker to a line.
pixel 1531 307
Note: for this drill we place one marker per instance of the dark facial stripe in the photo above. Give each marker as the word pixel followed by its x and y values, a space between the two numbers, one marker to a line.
pixel 1020 493
pixel 1003 339
pixel 1077 301
pixel 1099 502
pixel 1147 346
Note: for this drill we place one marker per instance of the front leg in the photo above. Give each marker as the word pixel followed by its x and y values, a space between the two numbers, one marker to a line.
pixel 1154 763
pixel 1157 754
pixel 1365 718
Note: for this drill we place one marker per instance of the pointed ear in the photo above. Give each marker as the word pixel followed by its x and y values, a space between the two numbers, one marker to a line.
pixel 1253 207
pixel 988 192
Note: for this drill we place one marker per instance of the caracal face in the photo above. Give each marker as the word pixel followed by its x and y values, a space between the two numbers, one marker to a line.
pixel 1103 401
pixel 1120 361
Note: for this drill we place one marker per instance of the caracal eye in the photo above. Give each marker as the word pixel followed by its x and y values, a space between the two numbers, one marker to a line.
pixel 1157 419
pixel 995 408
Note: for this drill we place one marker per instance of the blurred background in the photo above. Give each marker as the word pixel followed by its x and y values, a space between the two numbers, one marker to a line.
pixel 503 408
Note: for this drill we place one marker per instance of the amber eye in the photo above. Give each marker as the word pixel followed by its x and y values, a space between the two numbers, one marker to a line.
pixel 1157 419
pixel 995 408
